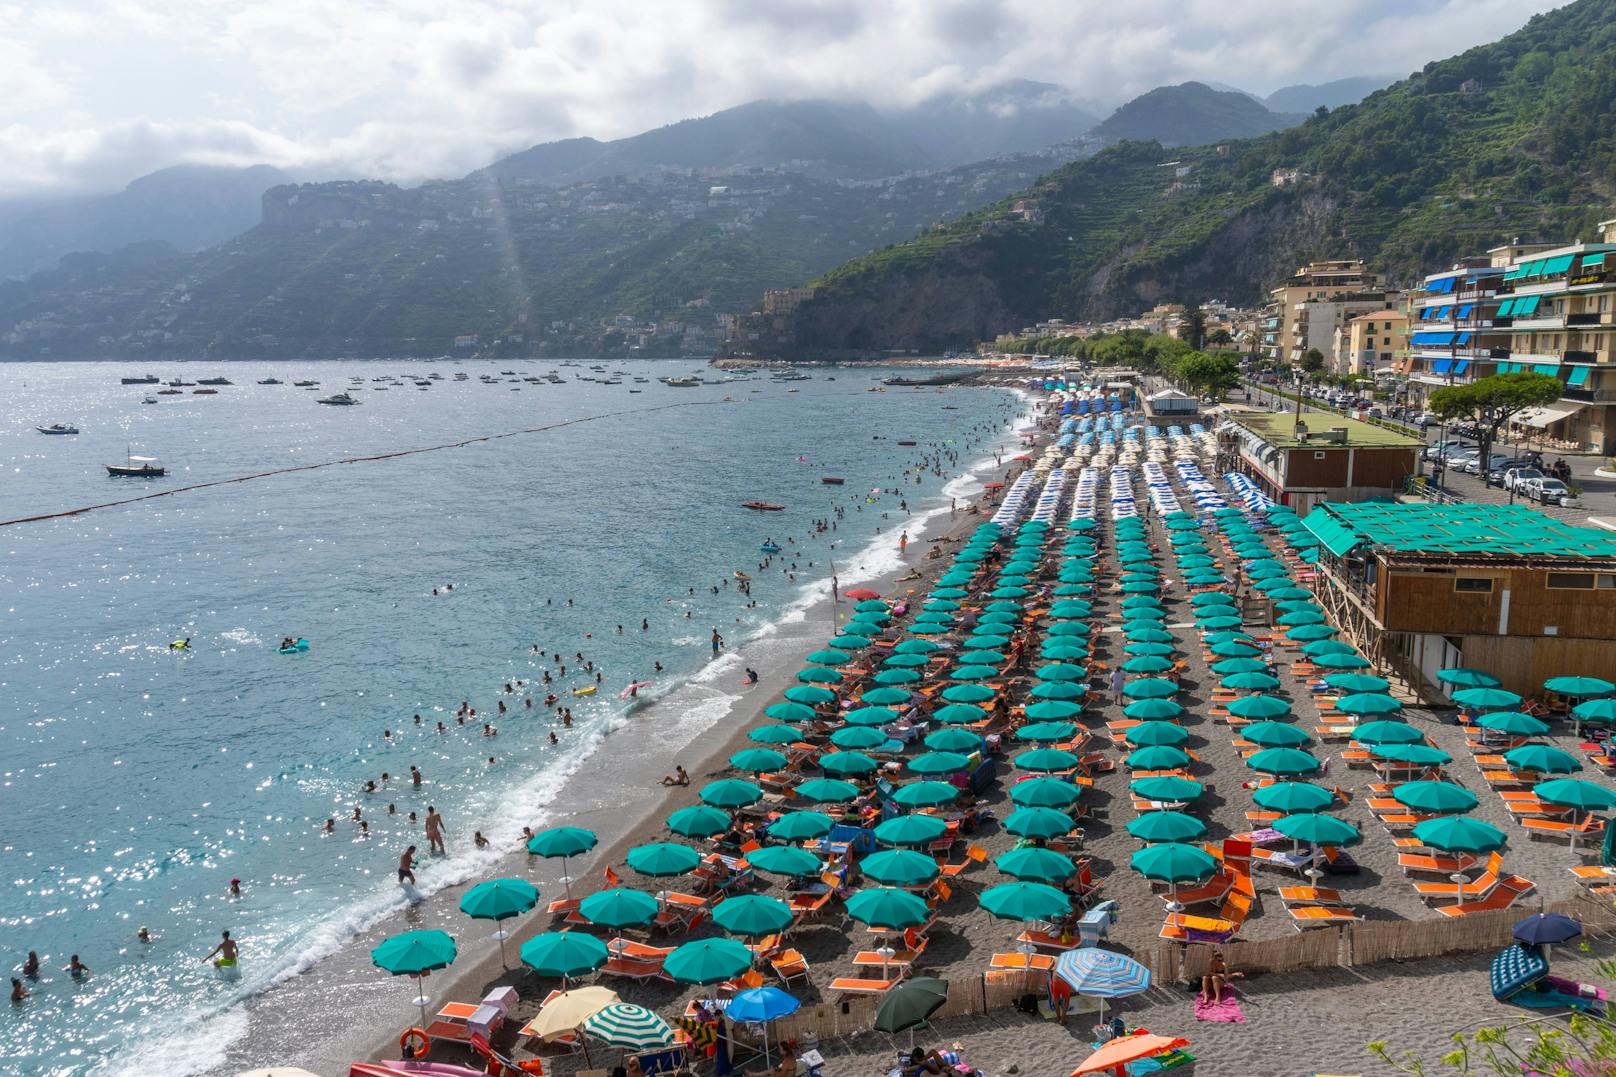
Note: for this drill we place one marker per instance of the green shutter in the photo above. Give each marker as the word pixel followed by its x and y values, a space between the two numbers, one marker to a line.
pixel 1503 311
pixel 1579 376
pixel 1546 368
pixel 1558 264
pixel 1593 261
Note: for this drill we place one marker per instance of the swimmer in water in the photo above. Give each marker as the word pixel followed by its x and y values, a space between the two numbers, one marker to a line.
pixel 19 993
pixel 77 968
pixel 181 644
pixel 235 888
pixel 144 935
pixel 30 968
pixel 226 951
pixel 477 838
pixel 406 866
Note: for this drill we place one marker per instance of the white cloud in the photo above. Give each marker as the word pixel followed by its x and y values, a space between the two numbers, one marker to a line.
pixel 406 89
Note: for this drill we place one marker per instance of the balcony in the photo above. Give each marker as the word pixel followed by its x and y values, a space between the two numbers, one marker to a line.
pixel 1590 318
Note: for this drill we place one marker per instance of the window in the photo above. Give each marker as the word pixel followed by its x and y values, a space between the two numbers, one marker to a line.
pixel 1474 584
pixel 1571 581
pixel 1606 581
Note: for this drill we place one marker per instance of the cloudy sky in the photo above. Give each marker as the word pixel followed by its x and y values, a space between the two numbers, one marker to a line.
pixel 96 92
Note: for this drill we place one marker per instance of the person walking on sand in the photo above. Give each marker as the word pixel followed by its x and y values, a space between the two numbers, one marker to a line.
pixel 226 951
pixel 903 543
pixel 434 832
pixel 1116 685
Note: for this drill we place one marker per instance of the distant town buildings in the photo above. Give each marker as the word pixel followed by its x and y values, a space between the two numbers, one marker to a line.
pixel 1306 309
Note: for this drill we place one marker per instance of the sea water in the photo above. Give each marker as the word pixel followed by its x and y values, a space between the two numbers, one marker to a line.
pixel 137 780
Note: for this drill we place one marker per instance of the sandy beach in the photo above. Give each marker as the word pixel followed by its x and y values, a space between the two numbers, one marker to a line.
pixel 1301 1022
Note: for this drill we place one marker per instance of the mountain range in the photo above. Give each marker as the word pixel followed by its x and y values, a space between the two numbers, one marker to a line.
pixel 676 225
pixel 1507 139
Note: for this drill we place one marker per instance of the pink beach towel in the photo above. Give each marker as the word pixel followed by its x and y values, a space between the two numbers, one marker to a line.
pixel 1226 1010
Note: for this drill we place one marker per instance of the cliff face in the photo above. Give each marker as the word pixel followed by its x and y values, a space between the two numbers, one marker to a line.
pixel 927 311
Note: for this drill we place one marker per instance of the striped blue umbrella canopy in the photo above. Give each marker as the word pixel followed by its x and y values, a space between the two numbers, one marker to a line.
pixel 1101 974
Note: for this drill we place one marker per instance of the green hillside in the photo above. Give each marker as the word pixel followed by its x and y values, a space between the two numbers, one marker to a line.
pixel 1513 138
pixel 1191 114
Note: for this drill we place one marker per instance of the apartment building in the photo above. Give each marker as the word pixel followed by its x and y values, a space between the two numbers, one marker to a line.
pixel 1305 310
pixel 1557 315
pixel 1370 343
pixel 1452 338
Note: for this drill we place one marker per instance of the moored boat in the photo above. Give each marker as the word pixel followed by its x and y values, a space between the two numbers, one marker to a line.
pixel 338 398
pixel 58 428
pixel 761 506
pixel 137 467
pixel 831 480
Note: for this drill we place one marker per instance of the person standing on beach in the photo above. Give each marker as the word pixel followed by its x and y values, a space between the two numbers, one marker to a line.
pixel 1116 686
pixel 903 544
pixel 434 831
pixel 718 641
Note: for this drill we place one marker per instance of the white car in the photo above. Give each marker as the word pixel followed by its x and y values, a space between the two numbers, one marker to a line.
pixel 1426 418
pixel 1546 490
pixel 1516 477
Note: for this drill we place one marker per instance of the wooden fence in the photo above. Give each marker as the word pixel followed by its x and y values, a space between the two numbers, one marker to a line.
pixel 1349 946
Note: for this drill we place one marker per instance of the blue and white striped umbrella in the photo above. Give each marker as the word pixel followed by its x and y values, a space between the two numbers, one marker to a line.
pixel 1102 973
pixel 634 1028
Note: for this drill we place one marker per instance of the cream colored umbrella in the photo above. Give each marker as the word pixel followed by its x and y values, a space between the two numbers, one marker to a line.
pixel 568 1010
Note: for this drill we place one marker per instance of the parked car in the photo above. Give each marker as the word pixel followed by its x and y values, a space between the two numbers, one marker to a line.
pixel 1475 467
pixel 1455 459
pixel 1426 418
pixel 1495 474
pixel 1516 476
pixel 1547 491
pixel 1433 452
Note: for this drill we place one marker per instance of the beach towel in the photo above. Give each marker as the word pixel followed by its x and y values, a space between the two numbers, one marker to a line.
pixel 1226 1010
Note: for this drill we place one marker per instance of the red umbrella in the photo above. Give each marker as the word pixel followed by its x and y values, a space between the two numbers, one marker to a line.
pixel 993 486
pixel 861 594
pixel 1026 458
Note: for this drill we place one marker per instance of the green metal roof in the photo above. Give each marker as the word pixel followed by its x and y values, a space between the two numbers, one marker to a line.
pixel 1498 530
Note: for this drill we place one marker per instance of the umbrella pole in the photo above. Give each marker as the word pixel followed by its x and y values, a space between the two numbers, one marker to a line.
pixel 500 935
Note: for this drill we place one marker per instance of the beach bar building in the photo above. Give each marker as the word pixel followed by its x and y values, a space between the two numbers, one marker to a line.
pixel 1318 458
pixel 1506 589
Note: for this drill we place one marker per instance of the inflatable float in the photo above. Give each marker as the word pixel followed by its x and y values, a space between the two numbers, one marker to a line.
pixel 297 648
pixel 584 691
pixel 770 547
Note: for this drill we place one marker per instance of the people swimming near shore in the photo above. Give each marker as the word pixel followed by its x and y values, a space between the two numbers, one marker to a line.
pixel 226 951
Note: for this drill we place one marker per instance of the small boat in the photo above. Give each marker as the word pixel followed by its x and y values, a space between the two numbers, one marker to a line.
pixel 337 398
pixel 761 506
pixel 681 383
pixel 905 443
pixel 204 392
pixel 137 467
pixel 831 480
pixel 269 381
pixel 743 577
pixel 297 647
pixel 57 428
pixel 149 379
pixel 770 547
pixel 149 400
pixel 171 392
pixel 305 384
pixel 213 381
